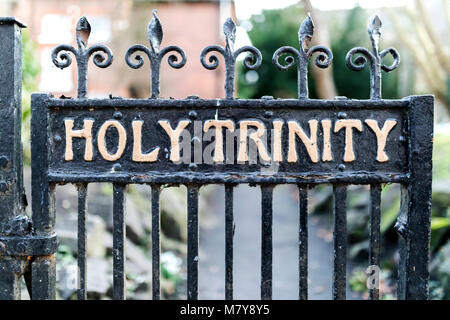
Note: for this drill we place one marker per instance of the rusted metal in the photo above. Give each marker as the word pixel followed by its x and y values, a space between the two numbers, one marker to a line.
pixel 43 278
pixel 28 245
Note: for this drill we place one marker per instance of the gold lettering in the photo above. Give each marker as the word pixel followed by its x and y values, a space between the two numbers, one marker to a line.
pixel 174 135
pixel 138 156
pixel 218 124
pixel 326 155
pixel 381 136
pixel 255 136
pixel 277 155
pixel 85 133
pixel 102 143
pixel 310 143
pixel 348 124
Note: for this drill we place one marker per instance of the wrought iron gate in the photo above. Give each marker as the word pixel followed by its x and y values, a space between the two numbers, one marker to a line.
pixel 312 142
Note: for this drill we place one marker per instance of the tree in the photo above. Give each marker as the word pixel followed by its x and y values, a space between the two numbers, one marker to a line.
pixel 430 52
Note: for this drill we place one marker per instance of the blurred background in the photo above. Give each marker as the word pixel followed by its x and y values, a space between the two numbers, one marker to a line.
pixel 418 29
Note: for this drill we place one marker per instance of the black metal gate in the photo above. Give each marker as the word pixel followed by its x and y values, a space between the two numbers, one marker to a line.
pixel 267 142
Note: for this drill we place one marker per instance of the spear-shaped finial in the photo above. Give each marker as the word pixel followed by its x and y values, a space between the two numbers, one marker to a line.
pixel 83 30
pixel 323 59
pixel 374 30
pixel 252 61
pixel 155 32
pixel 62 59
pixel 229 29
pixel 374 57
pixel 155 55
pixel 306 31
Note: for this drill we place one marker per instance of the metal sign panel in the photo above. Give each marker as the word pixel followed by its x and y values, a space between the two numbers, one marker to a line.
pixel 195 140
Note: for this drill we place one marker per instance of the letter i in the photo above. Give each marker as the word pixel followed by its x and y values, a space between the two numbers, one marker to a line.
pixel 326 126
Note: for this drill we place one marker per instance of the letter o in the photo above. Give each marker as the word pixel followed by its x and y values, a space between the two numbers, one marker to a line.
pixel 102 144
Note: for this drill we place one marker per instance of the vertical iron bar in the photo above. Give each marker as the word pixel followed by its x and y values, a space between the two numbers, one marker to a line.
pixel 43 278
pixel 82 66
pixel 418 198
pixel 303 243
pixel 156 245
pixel 155 65
pixel 266 242
pixel 302 75
pixel 229 76
pixel 13 201
pixel 400 226
pixel 229 233
pixel 340 242
pixel 82 239
pixel 119 241
pixel 43 269
pixel 11 169
pixel 192 249
pixel 374 248
pixel 11 270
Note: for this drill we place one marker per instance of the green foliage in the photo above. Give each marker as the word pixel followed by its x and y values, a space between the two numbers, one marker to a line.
pixel 439 222
pixel 353 33
pixel 64 255
pixel 441 156
pixel 170 275
pixel 358 281
pixel 270 31
pixel 30 72
pixel 389 211
pixel 276 28
pixel 30 63
pixel 440 216
pixel 440 274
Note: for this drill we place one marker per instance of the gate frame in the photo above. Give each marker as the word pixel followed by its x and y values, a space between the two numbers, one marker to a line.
pixel 27 247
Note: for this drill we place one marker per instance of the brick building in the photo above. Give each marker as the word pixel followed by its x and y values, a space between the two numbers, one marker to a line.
pixel 119 24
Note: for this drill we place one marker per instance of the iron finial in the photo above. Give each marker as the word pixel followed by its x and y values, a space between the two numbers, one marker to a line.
pixel 374 30
pixel 252 61
pixel 229 29
pixel 155 32
pixel 306 30
pixel 83 30
pixel 155 55
pixel 61 57
pixel 323 59
pixel 374 57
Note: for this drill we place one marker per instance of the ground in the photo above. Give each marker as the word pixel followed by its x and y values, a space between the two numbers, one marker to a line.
pixel 247 252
